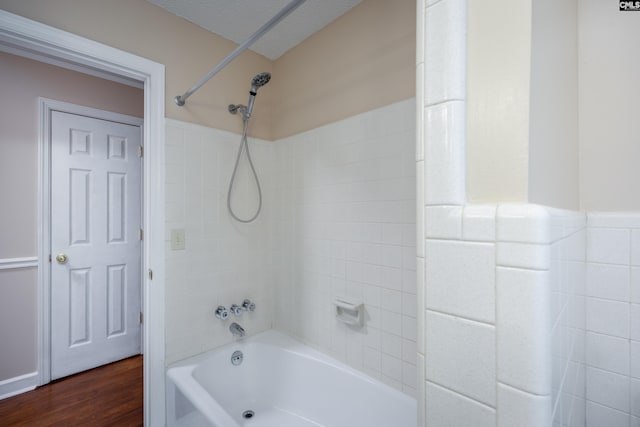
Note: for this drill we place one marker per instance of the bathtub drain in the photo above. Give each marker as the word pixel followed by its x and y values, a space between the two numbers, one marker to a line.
pixel 236 358
pixel 248 414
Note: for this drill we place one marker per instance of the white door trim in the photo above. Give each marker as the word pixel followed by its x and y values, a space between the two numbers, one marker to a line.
pixel 30 36
pixel 46 106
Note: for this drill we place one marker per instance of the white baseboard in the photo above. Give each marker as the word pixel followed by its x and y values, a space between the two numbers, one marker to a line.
pixel 18 385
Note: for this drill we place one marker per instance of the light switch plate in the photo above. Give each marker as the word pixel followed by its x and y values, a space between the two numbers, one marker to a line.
pixel 177 239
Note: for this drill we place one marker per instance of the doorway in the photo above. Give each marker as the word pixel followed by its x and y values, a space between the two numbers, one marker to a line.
pixel 66 48
pixel 95 222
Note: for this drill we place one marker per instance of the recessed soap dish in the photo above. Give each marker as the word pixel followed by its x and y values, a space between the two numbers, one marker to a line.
pixel 349 311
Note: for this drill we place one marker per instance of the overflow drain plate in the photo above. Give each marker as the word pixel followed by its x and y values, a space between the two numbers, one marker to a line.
pixel 248 414
pixel 236 358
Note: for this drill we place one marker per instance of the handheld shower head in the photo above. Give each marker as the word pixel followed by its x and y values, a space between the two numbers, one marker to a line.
pixel 258 81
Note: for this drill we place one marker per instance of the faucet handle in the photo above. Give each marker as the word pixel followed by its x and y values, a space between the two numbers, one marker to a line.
pixel 222 312
pixel 236 309
pixel 248 305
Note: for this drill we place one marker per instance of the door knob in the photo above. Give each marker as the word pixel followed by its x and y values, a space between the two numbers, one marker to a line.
pixel 61 258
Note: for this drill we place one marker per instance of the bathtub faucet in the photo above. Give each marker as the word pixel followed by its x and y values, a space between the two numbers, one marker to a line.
pixel 247 305
pixel 236 330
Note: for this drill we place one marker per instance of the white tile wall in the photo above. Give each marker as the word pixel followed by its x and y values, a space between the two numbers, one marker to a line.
pixel 479 223
pixel 460 355
pixel 609 245
pixel 612 318
pixel 338 219
pixel 608 388
pixel 445 407
pixel 540 322
pixel 462 281
pixel 345 214
pixel 456 281
pixel 512 323
pixel 445 51
pixel 524 329
pixel 567 275
pixel 525 223
pixel 606 281
pixel 523 255
pixel 600 415
pixel 445 222
pixel 608 317
pixel 522 409
pixel 634 359
pixel 223 262
pixel 444 153
pixel 634 397
pixel 607 352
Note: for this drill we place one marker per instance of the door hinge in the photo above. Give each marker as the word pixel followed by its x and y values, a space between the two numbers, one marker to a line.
pixel 49 257
pixel 141 234
pixel 140 317
pixel 150 274
pixel 140 151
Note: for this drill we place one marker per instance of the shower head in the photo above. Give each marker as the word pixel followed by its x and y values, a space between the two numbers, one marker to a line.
pixel 258 81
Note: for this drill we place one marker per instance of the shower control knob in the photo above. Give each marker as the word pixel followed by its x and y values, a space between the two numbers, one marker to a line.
pixel 236 309
pixel 248 305
pixel 222 312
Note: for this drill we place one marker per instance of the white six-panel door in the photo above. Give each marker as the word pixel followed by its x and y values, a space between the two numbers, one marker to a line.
pixel 95 242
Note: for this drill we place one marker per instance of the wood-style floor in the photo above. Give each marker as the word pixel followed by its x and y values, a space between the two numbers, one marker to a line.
pixel 110 395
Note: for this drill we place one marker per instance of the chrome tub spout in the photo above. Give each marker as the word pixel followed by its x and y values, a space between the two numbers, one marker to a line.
pixel 236 330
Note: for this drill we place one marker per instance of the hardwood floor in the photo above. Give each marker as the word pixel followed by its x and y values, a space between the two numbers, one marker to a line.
pixel 110 395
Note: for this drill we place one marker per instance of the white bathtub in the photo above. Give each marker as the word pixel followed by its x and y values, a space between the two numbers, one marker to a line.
pixel 285 384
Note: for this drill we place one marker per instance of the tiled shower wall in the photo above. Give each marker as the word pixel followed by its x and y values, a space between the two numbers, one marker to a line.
pixel 613 319
pixel 338 219
pixel 223 261
pixel 345 226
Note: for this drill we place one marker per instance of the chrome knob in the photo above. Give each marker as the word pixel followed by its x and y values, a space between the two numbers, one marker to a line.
pixel 236 309
pixel 248 305
pixel 222 312
pixel 61 258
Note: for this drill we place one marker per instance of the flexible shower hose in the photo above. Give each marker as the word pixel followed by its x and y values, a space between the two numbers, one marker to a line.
pixel 244 145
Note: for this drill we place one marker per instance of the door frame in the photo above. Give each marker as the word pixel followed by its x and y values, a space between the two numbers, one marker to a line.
pixel 45 108
pixel 34 38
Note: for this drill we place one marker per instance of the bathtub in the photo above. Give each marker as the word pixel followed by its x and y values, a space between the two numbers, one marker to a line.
pixel 279 383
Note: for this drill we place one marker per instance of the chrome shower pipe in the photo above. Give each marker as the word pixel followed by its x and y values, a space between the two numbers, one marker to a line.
pixel 180 99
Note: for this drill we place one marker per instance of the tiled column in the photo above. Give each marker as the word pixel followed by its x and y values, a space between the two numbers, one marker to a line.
pixel 440 157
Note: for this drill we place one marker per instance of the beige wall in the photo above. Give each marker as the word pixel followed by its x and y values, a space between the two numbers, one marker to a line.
pixel 498 79
pixel 536 135
pixel 187 51
pixel 608 107
pixel 553 128
pixel 22 81
pixel 362 61
pixel 522 115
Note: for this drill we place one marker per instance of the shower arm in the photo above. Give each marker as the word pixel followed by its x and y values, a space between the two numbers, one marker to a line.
pixel 180 99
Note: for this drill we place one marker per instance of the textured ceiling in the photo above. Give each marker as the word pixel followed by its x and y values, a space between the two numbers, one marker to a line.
pixel 236 20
